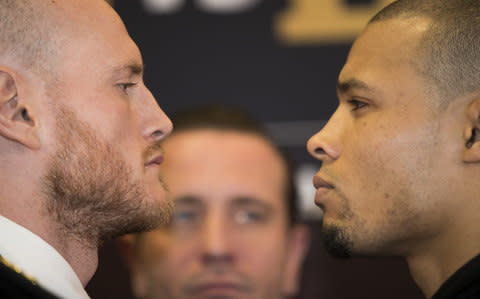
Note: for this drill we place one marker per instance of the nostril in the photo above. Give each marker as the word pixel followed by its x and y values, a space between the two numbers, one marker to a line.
pixel 320 151
pixel 157 134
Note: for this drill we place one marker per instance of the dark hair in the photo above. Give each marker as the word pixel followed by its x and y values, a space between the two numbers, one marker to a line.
pixel 219 117
pixel 448 53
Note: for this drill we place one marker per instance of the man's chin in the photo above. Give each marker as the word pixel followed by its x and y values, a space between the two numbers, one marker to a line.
pixel 336 240
pixel 159 205
pixel 155 213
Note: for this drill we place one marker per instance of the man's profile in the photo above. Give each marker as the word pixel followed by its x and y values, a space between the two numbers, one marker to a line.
pixel 79 142
pixel 401 154
pixel 234 232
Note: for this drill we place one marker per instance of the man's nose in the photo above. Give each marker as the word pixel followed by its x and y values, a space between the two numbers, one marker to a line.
pixel 325 145
pixel 216 240
pixel 156 124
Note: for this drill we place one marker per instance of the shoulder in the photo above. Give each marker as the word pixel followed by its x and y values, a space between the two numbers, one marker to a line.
pixel 15 285
pixel 464 284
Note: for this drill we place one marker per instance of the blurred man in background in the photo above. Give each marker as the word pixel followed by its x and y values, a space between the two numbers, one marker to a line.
pixel 401 154
pixel 234 232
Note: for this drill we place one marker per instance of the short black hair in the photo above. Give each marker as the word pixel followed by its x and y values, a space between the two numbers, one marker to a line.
pixel 449 51
pixel 229 118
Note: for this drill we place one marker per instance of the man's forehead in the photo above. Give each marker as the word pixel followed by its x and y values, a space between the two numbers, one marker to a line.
pixel 233 200
pixel 74 19
pixel 383 47
pixel 392 38
pixel 228 145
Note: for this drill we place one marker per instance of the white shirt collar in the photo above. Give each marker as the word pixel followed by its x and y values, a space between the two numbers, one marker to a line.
pixel 38 259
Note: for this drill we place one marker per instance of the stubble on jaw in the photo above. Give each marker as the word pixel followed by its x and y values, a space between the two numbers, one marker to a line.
pixel 89 189
pixel 336 238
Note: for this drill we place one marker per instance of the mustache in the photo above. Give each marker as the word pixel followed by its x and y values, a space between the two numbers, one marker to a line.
pixel 153 149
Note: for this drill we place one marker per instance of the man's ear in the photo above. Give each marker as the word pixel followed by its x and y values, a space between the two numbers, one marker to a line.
pixel 472 133
pixel 297 249
pixel 17 121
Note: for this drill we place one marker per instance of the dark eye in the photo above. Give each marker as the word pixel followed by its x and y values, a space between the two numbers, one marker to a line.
pixel 356 104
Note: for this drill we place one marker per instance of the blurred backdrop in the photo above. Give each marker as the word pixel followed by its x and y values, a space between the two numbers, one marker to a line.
pixel 280 60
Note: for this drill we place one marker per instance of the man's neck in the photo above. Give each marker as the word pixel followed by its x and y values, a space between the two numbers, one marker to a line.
pixel 81 255
pixel 432 264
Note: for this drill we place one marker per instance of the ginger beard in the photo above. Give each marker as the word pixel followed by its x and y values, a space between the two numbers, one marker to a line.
pixel 90 190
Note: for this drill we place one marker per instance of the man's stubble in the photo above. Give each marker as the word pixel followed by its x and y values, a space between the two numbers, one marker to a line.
pixel 90 190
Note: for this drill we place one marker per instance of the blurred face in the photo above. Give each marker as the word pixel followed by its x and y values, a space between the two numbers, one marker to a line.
pixel 229 236
pixel 103 176
pixel 386 152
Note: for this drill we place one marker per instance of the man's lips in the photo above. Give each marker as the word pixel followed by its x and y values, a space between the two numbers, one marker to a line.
pixel 318 183
pixel 218 288
pixel 156 160
pixel 322 187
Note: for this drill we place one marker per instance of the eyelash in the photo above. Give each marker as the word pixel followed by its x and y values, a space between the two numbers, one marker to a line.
pixel 126 86
pixel 356 104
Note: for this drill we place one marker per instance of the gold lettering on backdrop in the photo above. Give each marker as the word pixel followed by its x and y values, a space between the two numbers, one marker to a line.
pixel 323 21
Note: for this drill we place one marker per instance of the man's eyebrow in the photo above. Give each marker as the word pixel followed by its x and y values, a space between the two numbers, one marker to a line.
pixel 249 201
pixel 130 68
pixel 187 200
pixel 345 86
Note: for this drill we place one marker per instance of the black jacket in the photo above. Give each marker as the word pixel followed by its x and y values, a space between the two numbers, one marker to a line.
pixel 15 286
pixel 463 284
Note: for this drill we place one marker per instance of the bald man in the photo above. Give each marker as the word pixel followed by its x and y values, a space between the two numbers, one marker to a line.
pixel 79 135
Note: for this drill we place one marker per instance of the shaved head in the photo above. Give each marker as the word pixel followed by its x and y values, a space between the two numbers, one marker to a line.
pixel 26 35
pixel 448 54
pixel 30 34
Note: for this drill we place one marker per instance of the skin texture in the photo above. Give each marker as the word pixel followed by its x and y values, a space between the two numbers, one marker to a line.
pixel 90 130
pixel 229 236
pixel 392 160
pixel 86 200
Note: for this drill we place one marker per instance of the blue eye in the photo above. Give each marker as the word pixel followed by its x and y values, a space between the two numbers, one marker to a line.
pixel 356 104
pixel 245 216
pixel 183 217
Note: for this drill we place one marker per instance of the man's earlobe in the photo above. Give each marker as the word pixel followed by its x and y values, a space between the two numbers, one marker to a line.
pixel 472 134
pixel 16 120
